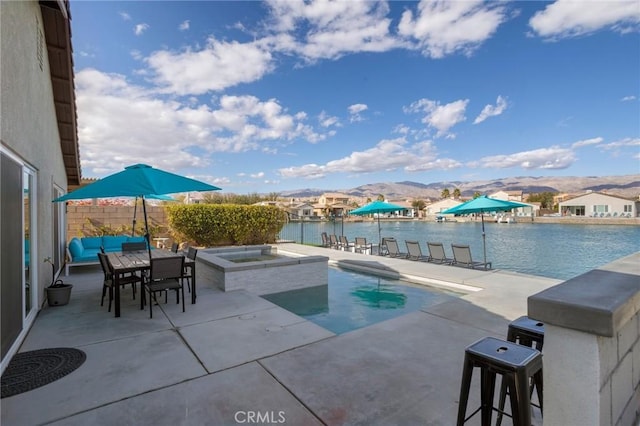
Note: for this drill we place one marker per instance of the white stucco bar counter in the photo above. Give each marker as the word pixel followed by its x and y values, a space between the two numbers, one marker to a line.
pixel 260 269
pixel 592 346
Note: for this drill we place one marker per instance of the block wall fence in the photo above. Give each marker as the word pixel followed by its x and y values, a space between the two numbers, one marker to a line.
pixel 82 220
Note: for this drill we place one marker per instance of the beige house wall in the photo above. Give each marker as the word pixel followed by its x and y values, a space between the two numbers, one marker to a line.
pixel 438 206
pixel 615 204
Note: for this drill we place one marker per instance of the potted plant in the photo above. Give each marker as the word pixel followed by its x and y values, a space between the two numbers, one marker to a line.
pixel 58 293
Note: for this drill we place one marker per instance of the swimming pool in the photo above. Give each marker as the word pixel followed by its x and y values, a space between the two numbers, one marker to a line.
pixel 354 300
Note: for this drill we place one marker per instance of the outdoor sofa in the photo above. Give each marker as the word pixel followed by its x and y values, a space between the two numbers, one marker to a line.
pixel 84 251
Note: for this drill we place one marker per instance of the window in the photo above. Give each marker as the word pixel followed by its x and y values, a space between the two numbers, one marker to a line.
pixel 628 208
pixel 601 208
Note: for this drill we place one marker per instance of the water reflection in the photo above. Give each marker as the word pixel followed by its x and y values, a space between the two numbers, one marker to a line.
pixel 382 296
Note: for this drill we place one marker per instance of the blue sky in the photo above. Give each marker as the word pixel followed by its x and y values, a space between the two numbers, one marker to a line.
pixel 279 95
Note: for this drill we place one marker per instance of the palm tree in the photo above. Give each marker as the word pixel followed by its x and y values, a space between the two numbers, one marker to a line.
pixel 456 193
pixel 418 205
pixel 445 193
pixel 476 194
pixel 380 197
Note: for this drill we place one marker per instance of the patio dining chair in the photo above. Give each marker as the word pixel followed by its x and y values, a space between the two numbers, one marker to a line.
pixel 414 252
pixel 166 273
pixel 462 256
pixel 437 254
pixel 109 280
pixel 189 267
pixel 134 246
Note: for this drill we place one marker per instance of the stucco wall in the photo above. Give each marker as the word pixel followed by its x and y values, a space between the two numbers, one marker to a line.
pixel 28 123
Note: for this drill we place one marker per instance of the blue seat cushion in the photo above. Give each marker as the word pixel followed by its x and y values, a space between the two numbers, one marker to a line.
pixel 114 243
pixel 92 242
pixel 75 248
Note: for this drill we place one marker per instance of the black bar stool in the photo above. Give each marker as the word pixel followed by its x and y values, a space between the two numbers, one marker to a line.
pixel 528 332
pixel 515 363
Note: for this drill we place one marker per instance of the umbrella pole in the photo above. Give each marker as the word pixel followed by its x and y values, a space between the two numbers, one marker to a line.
pixel 379 237
pixel 484 240
pixel 146 227
pixel 135 207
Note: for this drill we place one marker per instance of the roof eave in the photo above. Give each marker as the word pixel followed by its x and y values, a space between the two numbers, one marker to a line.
pixel 57 30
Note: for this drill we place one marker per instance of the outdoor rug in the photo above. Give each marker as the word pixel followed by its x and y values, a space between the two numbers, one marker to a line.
pixel 30 370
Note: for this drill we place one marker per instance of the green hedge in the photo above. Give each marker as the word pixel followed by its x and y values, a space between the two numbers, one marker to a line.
pixel 225 224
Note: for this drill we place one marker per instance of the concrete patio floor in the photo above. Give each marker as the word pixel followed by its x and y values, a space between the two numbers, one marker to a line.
pixel 235 355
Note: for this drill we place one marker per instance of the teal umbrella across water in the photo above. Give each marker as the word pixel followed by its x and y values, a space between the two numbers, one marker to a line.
pixel 481 205
pixel 377 207
pixel 138 180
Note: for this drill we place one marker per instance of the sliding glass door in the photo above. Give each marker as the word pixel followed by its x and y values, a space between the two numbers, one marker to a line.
pixel 18 247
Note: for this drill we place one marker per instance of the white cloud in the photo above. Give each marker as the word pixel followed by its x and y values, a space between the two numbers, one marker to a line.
pixel 440 117
pixel 401 129
pixel 257 175
pixel 139 29
pixel 491 110
pixel 355 111
pixel 544 158
pixel 184 25
pixel 445 27
pixel 123 124
pixel 125 16
pixel 330 29
pixel 386 155
pixel 620 144
pixel 326 120
pixel 587 142
pixel 570 18
pixel 216 67
pixel 628 98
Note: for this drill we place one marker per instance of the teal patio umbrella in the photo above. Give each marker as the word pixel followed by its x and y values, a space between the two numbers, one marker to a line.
pixel 377 207
pixel 482 205
pixel 138 180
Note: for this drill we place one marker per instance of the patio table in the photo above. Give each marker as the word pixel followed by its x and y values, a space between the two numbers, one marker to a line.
pixel 135 261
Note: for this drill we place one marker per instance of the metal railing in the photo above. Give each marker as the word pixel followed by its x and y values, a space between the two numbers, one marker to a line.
pixel 309 231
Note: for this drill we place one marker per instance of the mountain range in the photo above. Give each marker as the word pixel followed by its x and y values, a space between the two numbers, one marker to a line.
pixel 625 186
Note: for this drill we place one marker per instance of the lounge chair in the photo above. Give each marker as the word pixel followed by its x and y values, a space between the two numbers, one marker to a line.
pixel 325 240
pixel 333 242
pixel 462 257
pixel 414 252
pixel 437 254
pixel 382 250
pixel 362 246
pixel 393 249
pixel 345 244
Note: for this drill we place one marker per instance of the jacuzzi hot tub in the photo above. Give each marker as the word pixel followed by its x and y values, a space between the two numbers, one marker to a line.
pixel 259 269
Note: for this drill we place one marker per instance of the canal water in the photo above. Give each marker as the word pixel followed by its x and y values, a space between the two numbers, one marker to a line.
pixel 559 251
